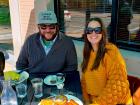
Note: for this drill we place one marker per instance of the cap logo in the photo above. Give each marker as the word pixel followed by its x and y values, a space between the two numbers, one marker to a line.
pixel 47 17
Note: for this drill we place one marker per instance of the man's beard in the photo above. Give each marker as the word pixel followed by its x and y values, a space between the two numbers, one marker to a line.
pixel 52 38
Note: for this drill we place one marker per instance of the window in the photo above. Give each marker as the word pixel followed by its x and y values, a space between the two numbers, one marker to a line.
pixel 128 24
pixel 121 18
pixel 77 12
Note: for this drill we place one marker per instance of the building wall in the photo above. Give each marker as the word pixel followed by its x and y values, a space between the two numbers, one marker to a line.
pixel 22 22
pixel 27 18
pixel 132 61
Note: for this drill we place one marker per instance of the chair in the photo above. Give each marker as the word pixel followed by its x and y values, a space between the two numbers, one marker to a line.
pixel 134 83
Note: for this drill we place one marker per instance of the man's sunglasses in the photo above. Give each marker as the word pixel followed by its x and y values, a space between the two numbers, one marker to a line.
pixel 97 30
pixel 45 26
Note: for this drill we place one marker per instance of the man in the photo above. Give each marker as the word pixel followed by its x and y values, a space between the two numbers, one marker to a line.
pixel 48 50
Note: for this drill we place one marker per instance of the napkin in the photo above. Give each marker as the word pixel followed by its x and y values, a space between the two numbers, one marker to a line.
pixel 11 75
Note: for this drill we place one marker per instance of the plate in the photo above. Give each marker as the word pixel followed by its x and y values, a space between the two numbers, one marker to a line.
pixel 77 100
pixel 52 80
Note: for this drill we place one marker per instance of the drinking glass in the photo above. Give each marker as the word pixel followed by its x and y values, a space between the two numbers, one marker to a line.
pixel 21 89
pixel 60 77
pixel 60 82
pixel 1 87
pixel 37 84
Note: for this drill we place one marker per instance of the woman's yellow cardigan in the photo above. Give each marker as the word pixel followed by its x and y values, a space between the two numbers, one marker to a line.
pixel 108 85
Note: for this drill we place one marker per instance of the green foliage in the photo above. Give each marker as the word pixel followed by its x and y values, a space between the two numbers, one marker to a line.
pixel 4 15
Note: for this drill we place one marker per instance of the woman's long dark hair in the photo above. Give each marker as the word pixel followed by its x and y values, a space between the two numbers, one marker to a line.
pixel 87 47
pixel 2 63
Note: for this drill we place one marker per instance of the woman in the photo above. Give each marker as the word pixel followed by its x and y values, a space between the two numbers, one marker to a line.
pixel 104 76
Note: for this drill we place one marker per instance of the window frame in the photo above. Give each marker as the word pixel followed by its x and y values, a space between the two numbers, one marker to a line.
pixel 114 21
pixel 113 28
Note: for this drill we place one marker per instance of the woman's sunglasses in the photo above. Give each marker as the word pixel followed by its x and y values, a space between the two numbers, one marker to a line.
pixel 97 30
pixel 45 26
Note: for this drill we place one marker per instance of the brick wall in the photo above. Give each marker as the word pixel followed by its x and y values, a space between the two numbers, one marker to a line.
pixel 27 18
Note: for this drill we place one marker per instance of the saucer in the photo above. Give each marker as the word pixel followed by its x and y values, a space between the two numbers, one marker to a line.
pixel 52 80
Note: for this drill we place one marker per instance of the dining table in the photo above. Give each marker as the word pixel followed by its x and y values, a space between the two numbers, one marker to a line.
pixel 72 86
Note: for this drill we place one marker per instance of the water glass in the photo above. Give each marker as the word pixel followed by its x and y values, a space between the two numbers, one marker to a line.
pixel 1 87
pixel 37 84
pixel 21 89
pixel 60 86
pixel 60 77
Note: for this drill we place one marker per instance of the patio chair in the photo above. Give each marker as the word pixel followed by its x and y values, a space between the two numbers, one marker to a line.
pixel 134 83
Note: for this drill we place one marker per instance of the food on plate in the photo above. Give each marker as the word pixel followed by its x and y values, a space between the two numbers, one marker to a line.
pixel 61 100
pixel 58 100
pixel 46 102
pixel 72 102
pixel 52 81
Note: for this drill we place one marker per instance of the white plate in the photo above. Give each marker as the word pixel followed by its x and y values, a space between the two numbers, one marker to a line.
pixel 49 78
pixel 77 100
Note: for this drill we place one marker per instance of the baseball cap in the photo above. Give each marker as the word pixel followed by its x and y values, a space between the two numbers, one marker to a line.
pixel 46 17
